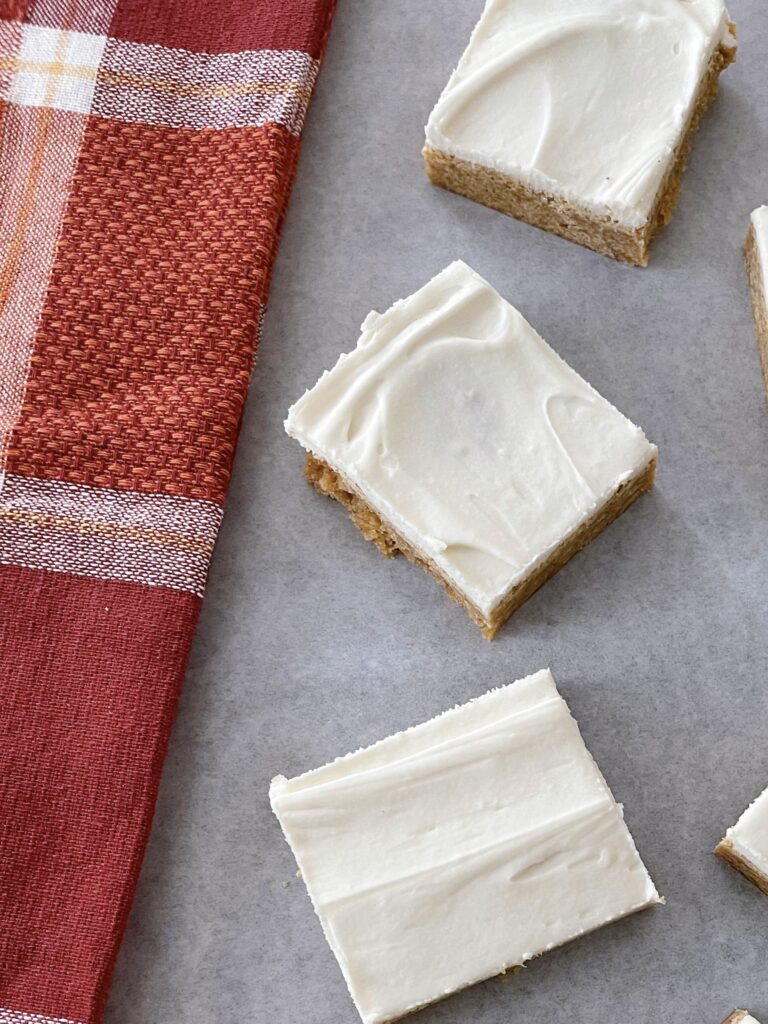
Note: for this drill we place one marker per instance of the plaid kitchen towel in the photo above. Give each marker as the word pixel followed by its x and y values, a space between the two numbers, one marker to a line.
pixel 147 149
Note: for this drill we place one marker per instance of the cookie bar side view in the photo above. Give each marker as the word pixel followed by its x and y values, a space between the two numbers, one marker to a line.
pixel 756 256
pixel 461 848
pixel 455 435
pixel 577 116
pixel 740 1017
pixel 745 846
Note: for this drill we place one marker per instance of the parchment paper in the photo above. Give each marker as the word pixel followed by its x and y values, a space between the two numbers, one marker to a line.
pixel 312 644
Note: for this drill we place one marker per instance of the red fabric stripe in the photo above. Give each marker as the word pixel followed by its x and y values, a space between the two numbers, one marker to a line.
pixel 224 26
pixel 14 10
pixel 146 340
pixel 91 672
pixel 137 382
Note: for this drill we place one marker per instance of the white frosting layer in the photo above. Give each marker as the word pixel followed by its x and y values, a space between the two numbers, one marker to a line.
pixel 760 228
pixel 586 100
pixel 462 428
pixel 749 836
pixel 448 853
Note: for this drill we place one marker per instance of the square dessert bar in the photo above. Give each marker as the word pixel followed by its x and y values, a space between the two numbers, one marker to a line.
pixel 461 848
pixel 745 846
pixel 577 115
pixel 740 1017
pixel 756 255
pixel 455 435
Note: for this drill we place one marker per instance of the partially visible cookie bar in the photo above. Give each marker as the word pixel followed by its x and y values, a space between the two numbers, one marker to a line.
pixel 756 255
pixel 745 846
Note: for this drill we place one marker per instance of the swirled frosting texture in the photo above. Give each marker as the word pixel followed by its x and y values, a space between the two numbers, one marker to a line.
pixel 453 851
pixel 586 100
pixel 749 836
pixel 463 429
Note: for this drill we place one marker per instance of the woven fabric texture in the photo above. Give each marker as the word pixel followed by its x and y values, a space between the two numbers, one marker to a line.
pixel 147 149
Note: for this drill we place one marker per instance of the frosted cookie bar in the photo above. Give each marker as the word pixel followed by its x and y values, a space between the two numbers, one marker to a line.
pixel 740 1017
pixel 756 255
pixel 745 846
pixel 577 115
pixel 461 848
pixel 455 435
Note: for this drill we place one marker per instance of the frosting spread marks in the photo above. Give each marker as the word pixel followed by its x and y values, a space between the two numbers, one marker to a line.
pixel 467 433
pixel 584 99
pixel 448 853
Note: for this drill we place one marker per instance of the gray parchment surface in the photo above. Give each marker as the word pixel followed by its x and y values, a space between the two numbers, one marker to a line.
pixel 312 644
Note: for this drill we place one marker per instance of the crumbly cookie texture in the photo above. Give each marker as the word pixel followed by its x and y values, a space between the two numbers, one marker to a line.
pixel 461 848
pixel 455 435
pixel 577 116
pixel 756 256
pixel 331 484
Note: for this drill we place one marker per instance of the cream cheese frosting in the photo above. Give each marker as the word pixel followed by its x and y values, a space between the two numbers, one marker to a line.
pixel 462 429
pixel 587 100
pixel 749 836
pixel 462 847
pixel 759 221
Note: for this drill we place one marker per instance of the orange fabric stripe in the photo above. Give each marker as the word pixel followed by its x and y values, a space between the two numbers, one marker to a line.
pixel 10 265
